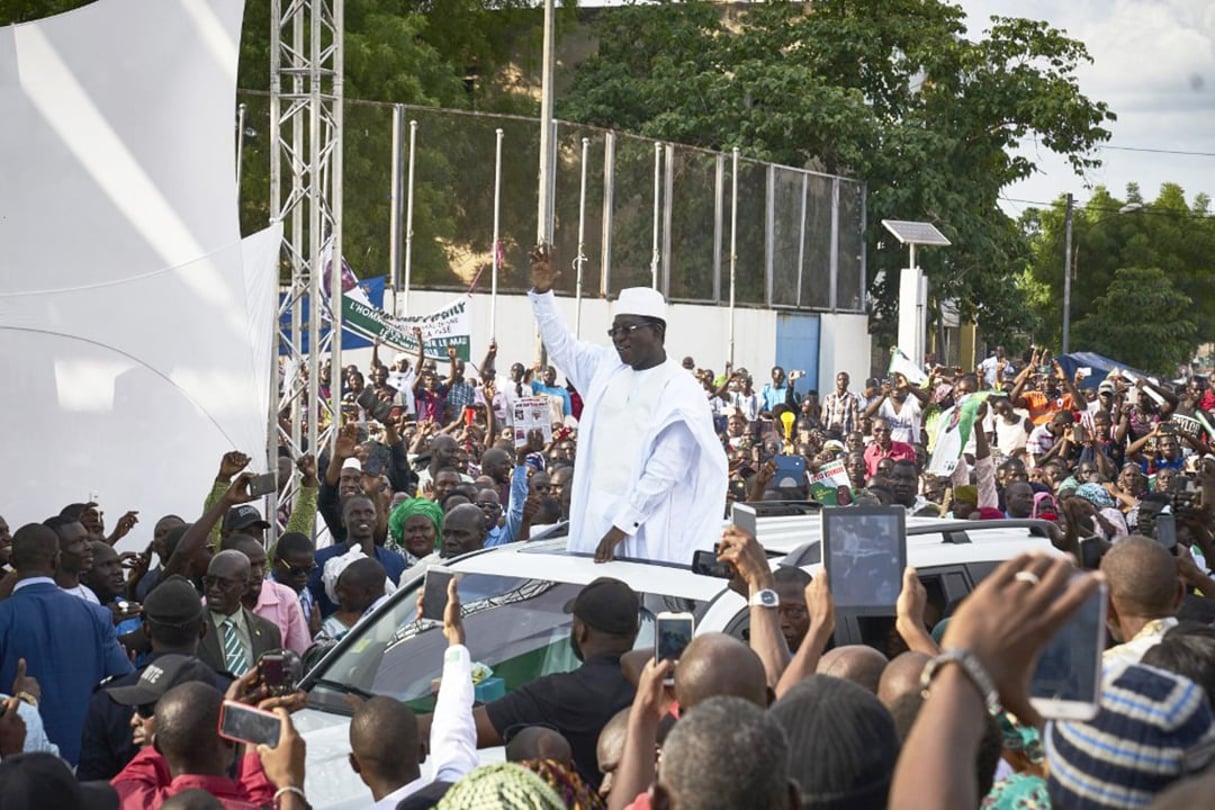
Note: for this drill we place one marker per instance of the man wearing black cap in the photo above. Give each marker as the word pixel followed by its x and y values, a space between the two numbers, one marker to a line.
pixel 244 519
pixel 577 704
pixel 173 623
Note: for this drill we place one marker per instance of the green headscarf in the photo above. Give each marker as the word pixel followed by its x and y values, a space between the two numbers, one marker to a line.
pixel 407 509
pixel 501 786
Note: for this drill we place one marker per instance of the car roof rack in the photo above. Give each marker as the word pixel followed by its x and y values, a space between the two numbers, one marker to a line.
pixel 784 508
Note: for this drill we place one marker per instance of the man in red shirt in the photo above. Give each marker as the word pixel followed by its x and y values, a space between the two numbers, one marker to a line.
pixel 189 753
pixel 883 447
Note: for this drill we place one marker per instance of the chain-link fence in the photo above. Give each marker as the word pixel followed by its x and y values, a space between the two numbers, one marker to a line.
pixel 632 209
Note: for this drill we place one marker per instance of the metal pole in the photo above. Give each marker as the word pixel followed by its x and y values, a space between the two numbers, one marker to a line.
pixel 336 295
pixel 394 203
pixel 543 235
pixel 240 143
pixel 609 201
pixel 581 260
pixel 413 142
pixel 733 244
pixel 1067 277
pixel 493 292
pixel 657 213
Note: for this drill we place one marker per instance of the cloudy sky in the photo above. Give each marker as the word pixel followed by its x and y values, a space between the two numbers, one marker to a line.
pixel 1154 64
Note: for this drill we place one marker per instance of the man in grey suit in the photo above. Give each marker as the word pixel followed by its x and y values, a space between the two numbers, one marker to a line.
pixel 236 637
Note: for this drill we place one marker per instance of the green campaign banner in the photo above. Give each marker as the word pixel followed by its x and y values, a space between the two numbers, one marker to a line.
pixel 446 327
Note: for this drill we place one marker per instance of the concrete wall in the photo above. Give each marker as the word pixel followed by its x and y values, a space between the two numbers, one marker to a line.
pixel 701 332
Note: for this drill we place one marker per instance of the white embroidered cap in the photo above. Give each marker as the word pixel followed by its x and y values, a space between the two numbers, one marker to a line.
pixel 643 301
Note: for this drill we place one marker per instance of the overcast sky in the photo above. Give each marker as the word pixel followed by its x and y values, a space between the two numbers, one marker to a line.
pixel 1154 64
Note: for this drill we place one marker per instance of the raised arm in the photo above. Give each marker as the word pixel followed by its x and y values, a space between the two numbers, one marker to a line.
pixel 741 550
pixel 821 607
pixel 488 365
pixel 196 536
pixel 1016 395
pixel 417 377
pixel 576 359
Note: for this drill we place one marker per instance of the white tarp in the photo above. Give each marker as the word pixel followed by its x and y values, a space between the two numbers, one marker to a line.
pixel 134 337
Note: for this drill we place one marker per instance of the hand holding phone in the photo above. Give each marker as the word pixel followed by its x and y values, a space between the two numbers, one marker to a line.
pixel 672 634
pixel 263 484
pixel 434 592
pixel 1067 681
pixel 246 724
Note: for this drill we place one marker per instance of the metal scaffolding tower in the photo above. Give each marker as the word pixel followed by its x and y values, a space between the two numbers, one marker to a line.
pixel 306 193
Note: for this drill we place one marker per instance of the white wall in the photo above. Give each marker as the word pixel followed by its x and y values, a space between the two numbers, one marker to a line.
pixel 699 331
pixel 845 345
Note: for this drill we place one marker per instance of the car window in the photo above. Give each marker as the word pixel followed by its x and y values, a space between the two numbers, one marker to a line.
pixel 517 627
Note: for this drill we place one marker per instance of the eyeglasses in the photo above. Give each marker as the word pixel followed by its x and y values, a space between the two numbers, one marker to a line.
pixel 881 430
pixel 146 710
pixel 224 583
pixel 489 505
pixel 624 331
pixel 300 570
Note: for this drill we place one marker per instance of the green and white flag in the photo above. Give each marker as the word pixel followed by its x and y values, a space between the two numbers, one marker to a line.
pixel 953 434
pixel 900 363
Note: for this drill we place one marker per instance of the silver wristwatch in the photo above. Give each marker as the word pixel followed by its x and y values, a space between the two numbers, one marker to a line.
pixel 974 671
pixel 767 598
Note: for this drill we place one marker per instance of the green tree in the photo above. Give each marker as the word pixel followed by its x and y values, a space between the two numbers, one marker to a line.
pixel 1137 322
pixel 894 93
pixel 1110 233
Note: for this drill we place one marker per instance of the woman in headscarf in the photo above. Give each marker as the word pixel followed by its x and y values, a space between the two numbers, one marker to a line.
pixel 502 786
pixel 566 783
pixel 1110 523
pixel 414 528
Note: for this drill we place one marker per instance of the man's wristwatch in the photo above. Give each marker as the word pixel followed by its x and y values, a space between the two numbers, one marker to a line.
pixel 974 670
pixel 767 598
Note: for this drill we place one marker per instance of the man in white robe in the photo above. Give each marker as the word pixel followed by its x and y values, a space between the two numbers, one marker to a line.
pixel 650 481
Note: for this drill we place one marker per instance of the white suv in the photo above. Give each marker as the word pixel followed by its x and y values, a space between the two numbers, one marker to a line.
pixel 514 601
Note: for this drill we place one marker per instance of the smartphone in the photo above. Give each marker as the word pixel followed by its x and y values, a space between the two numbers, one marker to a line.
pixel 246 724
pixel 672 635
pixel 1067 681
pixel 273 670
pixel 743 516
pixel 705 563
pixel 263 484
pixel 865 552
pixel 1165 530
pixel 434 593
pixel 790 472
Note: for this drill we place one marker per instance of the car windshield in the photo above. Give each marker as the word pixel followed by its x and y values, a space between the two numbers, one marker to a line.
pixel 517 627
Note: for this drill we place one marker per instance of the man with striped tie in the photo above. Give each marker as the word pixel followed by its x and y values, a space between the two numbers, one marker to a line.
pixel 236 637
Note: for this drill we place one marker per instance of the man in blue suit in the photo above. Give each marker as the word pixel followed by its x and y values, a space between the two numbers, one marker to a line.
pixel 68 644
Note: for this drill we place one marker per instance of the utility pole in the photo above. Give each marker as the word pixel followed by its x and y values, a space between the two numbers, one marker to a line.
pixel 1067 277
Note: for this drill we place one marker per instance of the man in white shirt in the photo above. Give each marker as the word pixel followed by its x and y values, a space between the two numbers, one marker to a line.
pixel 991 369
pixel 384 732
pixel 1144 596
pixel 902 406
pixel 75 557
pixel 651 473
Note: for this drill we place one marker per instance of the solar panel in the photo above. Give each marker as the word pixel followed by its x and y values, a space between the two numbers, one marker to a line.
pixel 915 233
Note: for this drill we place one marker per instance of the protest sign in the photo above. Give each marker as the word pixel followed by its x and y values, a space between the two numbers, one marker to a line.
pixel 531 413
pixel 826 483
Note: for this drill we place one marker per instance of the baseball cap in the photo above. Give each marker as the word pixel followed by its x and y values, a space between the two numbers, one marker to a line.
pixel 242 517
pixel 608 605
pixel 1106 387
pixel 159 677
pixel 173 602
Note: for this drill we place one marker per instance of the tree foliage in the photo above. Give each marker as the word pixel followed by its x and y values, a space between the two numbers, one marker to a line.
pixel 1110 233
pixel 891 92
pixel 1137 321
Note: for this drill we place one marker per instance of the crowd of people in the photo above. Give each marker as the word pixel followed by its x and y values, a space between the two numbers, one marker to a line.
pixel 121 664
